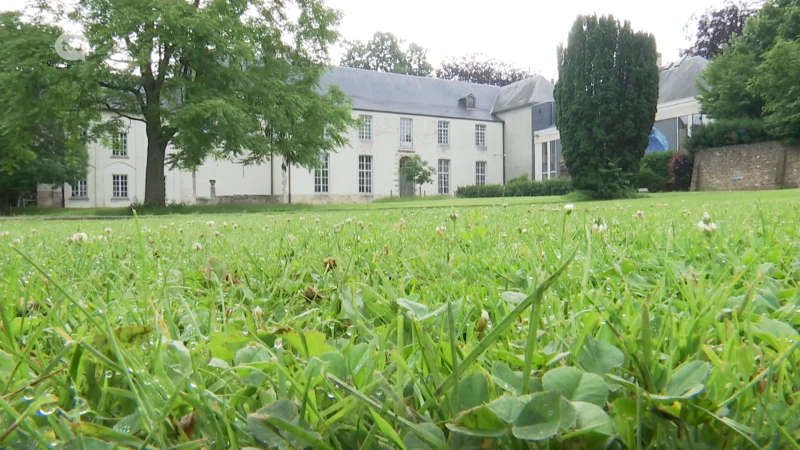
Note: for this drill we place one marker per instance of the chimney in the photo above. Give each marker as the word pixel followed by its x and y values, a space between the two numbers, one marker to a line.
pixel 658 61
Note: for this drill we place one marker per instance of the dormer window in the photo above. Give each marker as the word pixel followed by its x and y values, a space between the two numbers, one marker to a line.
pixel 467 101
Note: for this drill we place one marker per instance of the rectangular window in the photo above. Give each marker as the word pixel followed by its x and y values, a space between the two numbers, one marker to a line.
pixel 480 173
pixel 119 145
pixel 406 132
pixel 80 189
pixel 119 186
pixel 443 132
pixel 365 132
pixel 480 135
pixel 321 174
pixel 553 160
pixel 365 174
pixel 444 176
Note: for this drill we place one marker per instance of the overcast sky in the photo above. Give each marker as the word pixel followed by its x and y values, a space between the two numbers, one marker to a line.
pixel 522 32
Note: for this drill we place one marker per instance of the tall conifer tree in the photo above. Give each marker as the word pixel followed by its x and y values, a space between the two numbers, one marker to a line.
pixel 607 93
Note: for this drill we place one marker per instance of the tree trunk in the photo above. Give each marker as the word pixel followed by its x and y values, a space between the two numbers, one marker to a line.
pixel 154 194
pixel 5 198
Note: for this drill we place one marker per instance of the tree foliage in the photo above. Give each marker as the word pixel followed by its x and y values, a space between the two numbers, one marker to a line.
pixel 418 171
pixel 715 28
pixel 214 78
pixel 479 68
pixel 43 121
pixel 607 94
pixel 385 53
pixel 756 74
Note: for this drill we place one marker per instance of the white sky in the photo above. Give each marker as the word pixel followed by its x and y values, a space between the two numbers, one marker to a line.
pixel 523 32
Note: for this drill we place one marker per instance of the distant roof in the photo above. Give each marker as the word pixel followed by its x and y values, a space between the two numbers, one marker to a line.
pixel 529 91
pixel 677 79
pixel 408 94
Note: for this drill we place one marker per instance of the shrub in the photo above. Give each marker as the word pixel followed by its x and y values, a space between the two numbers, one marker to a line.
pixel 524 178
pixel 724 132
pixel 558 186
pixel 654 172
pixel 680 170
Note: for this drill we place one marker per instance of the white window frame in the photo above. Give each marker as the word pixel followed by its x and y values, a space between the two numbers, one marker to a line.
pixel 443 176
pixel 365 132
pixel 547 155
pixel 480 173
pixel 80 189
pixel 480 135
pixel 406 132
pixel 443 132
pixel 119 186
pixel 321 175
pixel 119 145
pixel 365 174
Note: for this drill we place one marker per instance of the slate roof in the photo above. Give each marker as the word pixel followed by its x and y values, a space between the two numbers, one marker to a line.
pixel 529 91
pixel 677 79
pixel 408 94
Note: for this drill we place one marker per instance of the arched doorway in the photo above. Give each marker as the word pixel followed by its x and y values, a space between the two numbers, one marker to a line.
pixel 406 185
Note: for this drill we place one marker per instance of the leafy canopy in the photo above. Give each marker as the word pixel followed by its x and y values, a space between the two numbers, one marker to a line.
pixel 607 94
pixel 479 68
pixel 43 117
pixel 216 78
pixel 754 75
pixel 716 27
pixel 385 53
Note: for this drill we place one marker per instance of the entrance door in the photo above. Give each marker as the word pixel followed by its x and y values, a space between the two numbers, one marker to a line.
pixel 406 186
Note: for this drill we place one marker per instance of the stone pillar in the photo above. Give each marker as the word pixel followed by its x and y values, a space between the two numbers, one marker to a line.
pixel 213 197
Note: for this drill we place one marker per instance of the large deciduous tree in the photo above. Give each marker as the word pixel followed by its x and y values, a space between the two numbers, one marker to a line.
pixel 756 75
pixel 607 94
pixel 214 78
pixel 479 68
pixel 385 53
pixel 43 121
pixel 717 26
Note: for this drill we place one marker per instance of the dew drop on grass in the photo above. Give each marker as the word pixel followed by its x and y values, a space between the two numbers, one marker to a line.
pixel 109 374
pixel 46 410
pixel 331 396
pixel 192 386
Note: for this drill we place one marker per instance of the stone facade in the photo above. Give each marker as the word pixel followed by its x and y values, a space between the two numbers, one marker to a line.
pixel 48 197
pixel 747 167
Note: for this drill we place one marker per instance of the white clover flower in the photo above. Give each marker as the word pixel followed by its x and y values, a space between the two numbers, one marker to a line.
pixel 348 220
pixel 360 224
pixel 164 227
pixel 210 224
pixel 4 233
pixel 235 225
pixel 402 222
pixel 503 235
pixel 600 226
pixel 197 246
pixel 569 208
pixel 79 238
pixel 302 219
pixel 291 237
pixel 441 229
pixel 224 224
pixel 639 214
pixel 706 217
pixel 454 216
pixel 17 240
pixel 180 230
pixel 108 231
pixel 33 230
pixel 258 311
pixel 505 205
pixel 321 233
pixel 316 220
pixel 485 217
pixel 100 237
pixel 217 233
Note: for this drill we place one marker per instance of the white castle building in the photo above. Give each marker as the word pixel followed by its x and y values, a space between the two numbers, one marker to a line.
pixel 470 133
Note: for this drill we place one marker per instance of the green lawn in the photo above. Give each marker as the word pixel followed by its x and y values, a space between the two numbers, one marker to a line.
pixel 398 202
pixel 430 324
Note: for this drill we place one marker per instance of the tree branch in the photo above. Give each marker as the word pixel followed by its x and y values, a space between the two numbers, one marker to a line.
pixel 122 114
pixel 132 90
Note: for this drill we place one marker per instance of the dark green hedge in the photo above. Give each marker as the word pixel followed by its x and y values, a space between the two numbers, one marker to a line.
pixel 654 172
pixel 558 186
pixel 721 133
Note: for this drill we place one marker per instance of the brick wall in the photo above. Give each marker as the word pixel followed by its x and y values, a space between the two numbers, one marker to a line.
pixel 765 165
